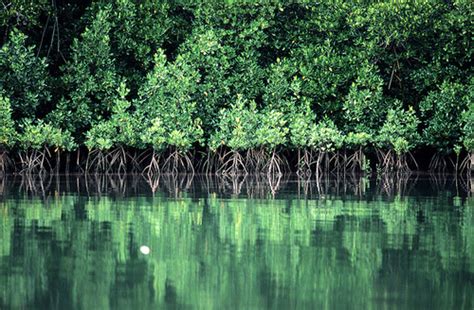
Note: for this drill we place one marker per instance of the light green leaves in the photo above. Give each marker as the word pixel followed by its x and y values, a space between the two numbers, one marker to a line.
pixel 272 130
pixel 37 135
pixel 237 126
pixel 400 131
pixel 325 137
pixel 7 130
pixel 167 100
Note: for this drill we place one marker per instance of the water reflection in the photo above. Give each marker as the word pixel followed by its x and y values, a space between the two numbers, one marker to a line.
pixel 250 186
pixel 347 242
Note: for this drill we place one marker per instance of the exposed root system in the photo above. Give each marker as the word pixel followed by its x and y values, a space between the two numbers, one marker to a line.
pixel 467 165
pixel 177 162
pixel 304 163
pixel 356 161
pixel 233 163
pixel 35 161
pixel 153 166
pixel 4 160
pixel 390 161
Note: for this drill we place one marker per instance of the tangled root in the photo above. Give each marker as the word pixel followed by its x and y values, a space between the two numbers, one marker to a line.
pixel 356 161
pixel 304 163
pixel 232 164
pixel 35 161
pixel 177 162
pixel 390 161
pixel 117 160
pixel 211 162
pixel 114 161
pixel 275 164
pixel 3 162
pixel 438 163
pixel 467 165
pixel 97 161
pixel 154 165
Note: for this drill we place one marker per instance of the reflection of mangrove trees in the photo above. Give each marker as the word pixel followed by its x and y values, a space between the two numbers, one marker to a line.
pixel 212 252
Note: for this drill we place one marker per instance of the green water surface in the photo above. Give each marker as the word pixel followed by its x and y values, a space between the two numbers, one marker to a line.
pixel 69 243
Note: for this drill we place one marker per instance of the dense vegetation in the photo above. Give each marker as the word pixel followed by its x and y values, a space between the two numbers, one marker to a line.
pixel 235 87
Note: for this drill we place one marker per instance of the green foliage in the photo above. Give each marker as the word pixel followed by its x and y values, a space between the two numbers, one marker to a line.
pixel 167 100
pixel 400 131
pixel 123 128
pixel 283 86
pixel 90 77
pixel 154 135
pixel 365 106
pixel 7 129
pixel 272 130
pixel 23 76
pixel 441 111
pixel 237 126
pixel 225 46
pixel 22 12
pixel 468 129
pixel 183 75
pixel 140 29
pixel 207 55
pixel 101 136
pixel 355 140
pixel 325 137
pixel 393 23
pixel 327 70
pixel 37 135
pixel 301 124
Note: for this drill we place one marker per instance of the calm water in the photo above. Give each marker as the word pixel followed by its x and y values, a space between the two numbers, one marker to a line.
pixel 346 243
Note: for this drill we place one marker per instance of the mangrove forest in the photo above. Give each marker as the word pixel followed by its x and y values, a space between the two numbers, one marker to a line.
pixel 236 87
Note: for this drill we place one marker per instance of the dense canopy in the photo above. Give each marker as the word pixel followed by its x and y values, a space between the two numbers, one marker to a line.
pixel 235 86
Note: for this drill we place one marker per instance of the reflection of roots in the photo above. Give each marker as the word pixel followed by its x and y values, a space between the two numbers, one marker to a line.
pixel 233 164
pixel 177 162
pixel 259 186
pixel 37 184
pixel 253 186
pixel 153 181
pixel 232 183
pixel 2 186
pixel 175 184
pixel 397 183
pixel 274 183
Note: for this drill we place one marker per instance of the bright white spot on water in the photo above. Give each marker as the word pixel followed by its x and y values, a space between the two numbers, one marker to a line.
pixel 145 250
